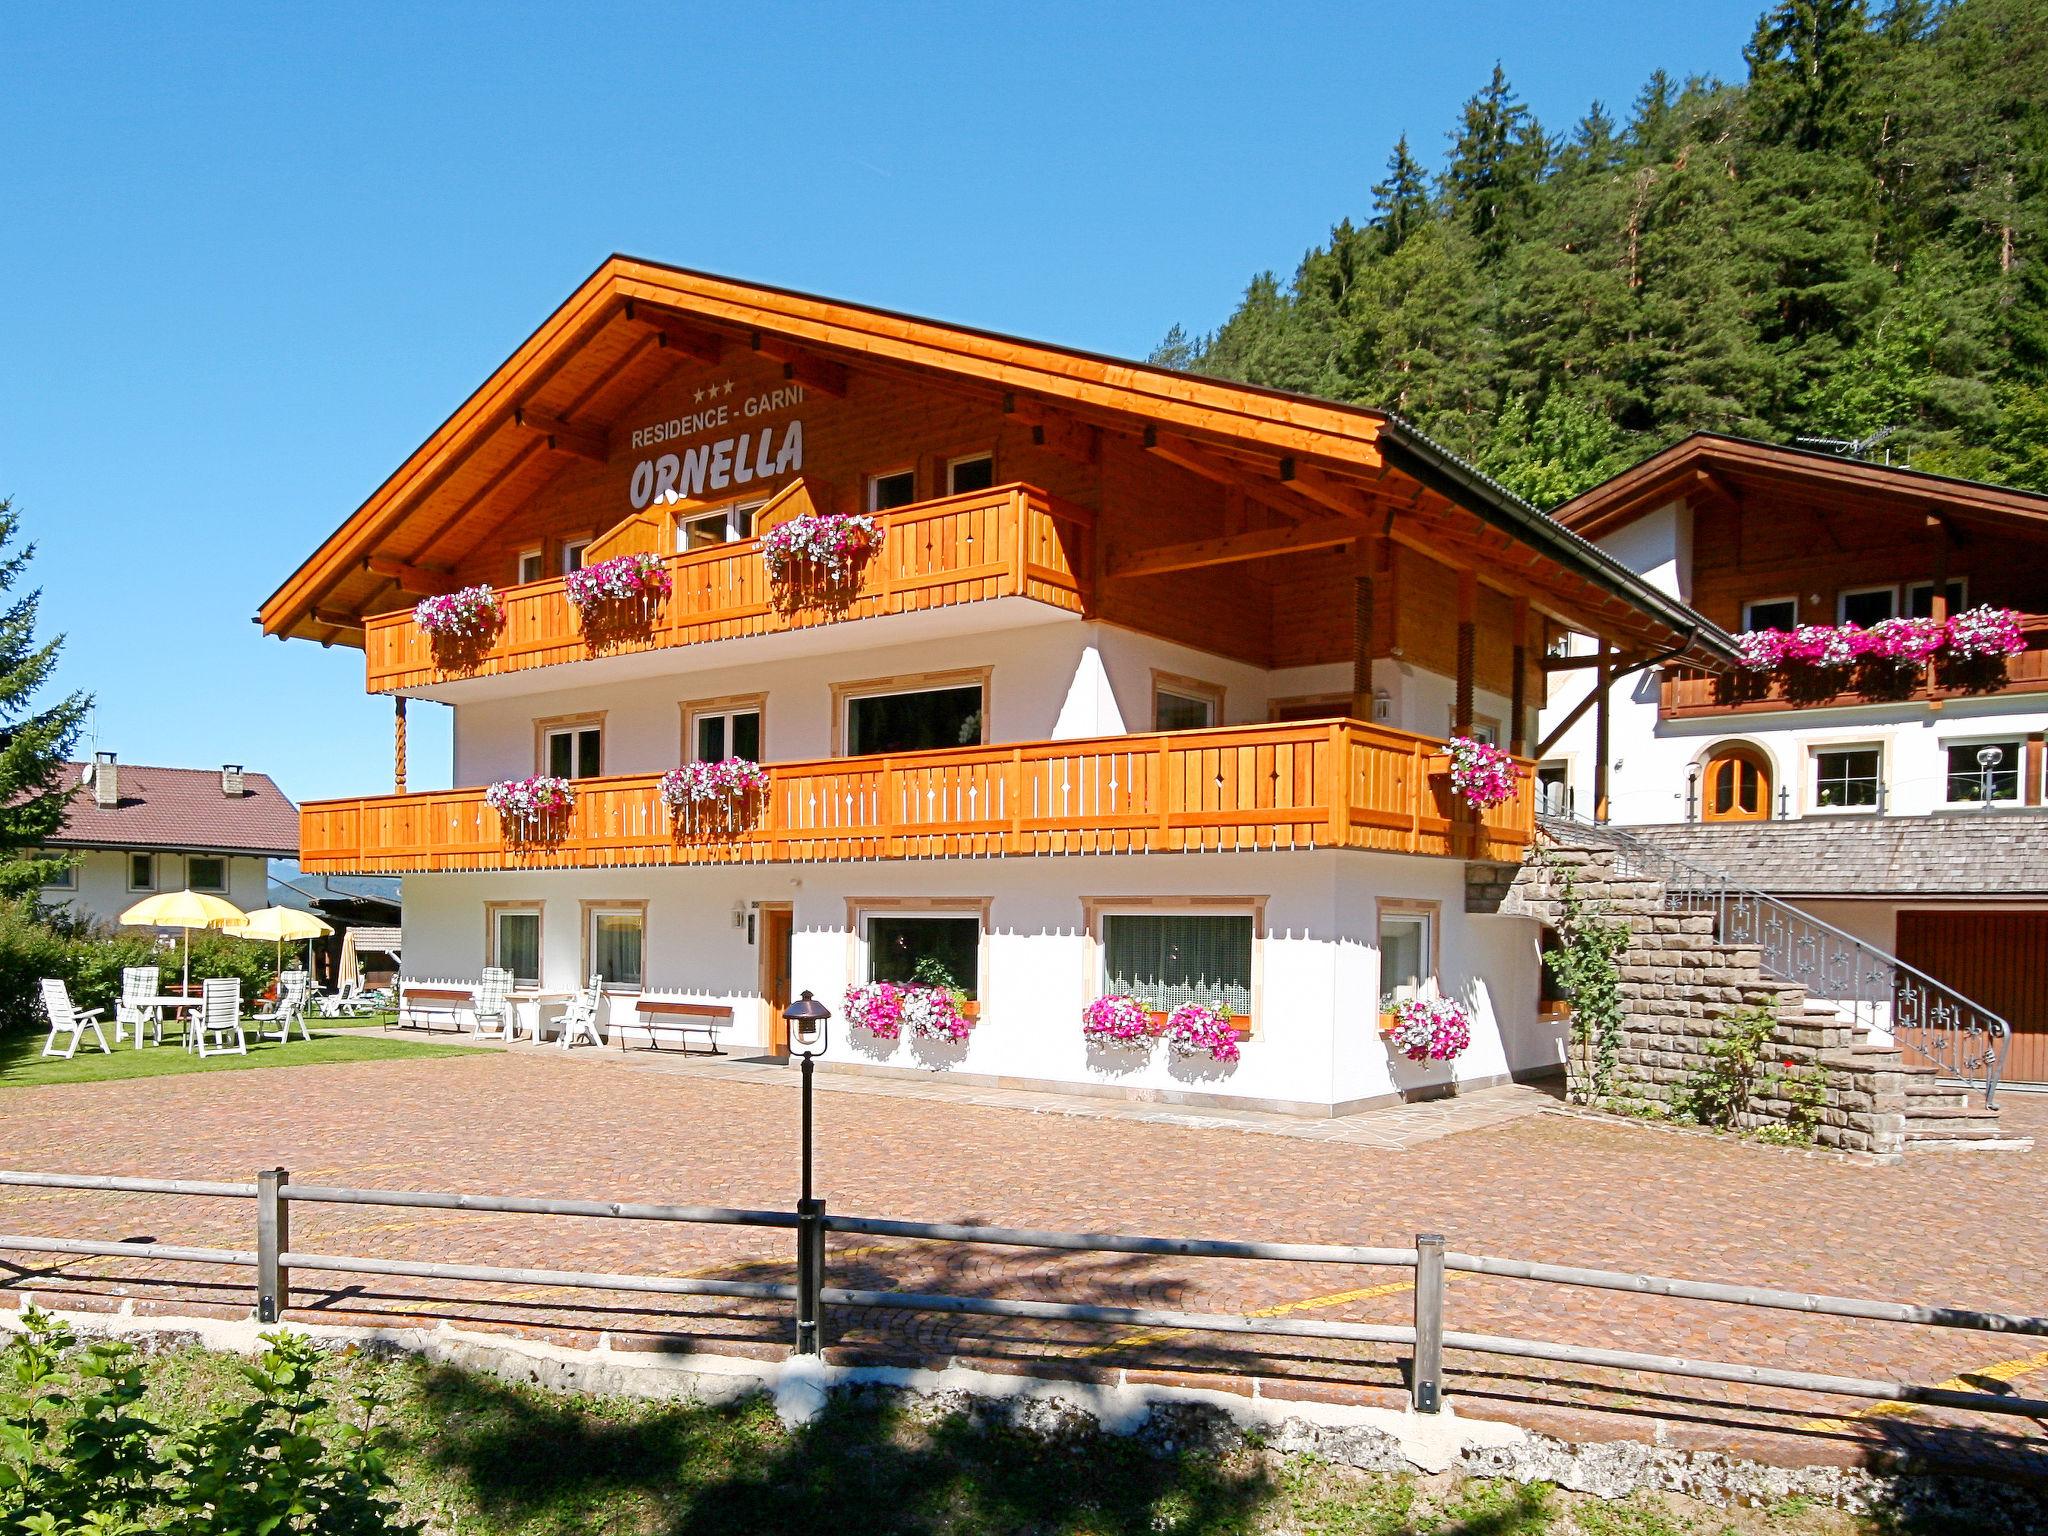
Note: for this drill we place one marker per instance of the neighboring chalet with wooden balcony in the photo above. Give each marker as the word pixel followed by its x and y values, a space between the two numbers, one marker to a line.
pixel 1900 801
pixel 1130 683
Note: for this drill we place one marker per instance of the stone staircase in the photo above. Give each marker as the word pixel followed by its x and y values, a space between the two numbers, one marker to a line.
pixel 1679 978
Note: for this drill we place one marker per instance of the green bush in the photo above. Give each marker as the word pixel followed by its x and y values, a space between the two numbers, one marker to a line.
pixel 79 1457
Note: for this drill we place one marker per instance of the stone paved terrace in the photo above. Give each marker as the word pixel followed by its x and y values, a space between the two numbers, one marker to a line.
pixel 1500 1174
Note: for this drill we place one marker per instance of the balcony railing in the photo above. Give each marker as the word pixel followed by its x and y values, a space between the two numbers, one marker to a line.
pixel 1685 692
pixel 1012 541
pixel 1317 784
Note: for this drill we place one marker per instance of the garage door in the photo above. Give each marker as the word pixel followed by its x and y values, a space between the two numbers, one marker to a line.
pixel 1998 959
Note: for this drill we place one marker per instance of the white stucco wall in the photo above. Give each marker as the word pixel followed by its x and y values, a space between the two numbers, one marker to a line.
pixel 101 890
pixel 1315 1040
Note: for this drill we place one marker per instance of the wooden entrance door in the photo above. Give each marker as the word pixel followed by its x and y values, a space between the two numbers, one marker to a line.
pixel 777 923
pixel 1736 786
pixel 1998 959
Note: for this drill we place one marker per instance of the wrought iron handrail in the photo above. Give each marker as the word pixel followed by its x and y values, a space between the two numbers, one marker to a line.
pixel 1874 989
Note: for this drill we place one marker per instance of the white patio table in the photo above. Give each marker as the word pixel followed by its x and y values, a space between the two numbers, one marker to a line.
pixel 166 1002
pixel 529 1011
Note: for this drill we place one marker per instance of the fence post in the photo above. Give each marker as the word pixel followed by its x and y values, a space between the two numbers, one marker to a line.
pixel 1428 1384
pixel 810 1275
pixel 273 1238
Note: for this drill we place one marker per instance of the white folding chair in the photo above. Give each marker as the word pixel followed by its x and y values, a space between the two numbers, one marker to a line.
pixel 69 1021
pixel 493 1010
pixel 219 1020
pixel 579 1019
pixel 289 1009
pixel 135 1010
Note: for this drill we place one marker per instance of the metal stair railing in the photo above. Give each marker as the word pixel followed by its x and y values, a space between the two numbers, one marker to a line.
pixel 1962 1039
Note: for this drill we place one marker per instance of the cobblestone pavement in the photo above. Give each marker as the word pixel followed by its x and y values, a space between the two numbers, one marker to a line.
pixel 1958 1229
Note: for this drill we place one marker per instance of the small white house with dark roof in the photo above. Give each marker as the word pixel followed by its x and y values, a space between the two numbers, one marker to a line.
pixel 137 829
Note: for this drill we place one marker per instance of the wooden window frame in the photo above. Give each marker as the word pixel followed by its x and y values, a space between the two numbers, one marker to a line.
pixel 154 871
pixel 698 512
pixel 1095 908
pixel 493 910
pixel 1336 706
pixel 1843 594
pixel 538 554
pixel 955 460
pixel 1760 602
pixel 843 694
pixel 1215 694
pixel 547 725
pixel 729 704
pixel 212 890
pixel 589 909
pixel 581 541
pixel 868 484
pixel 1385 907
pixel 859 908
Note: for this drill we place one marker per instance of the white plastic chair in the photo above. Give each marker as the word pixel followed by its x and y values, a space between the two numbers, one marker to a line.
pixel 219 1019
pixel 67 1020
pixel 135 1010
pixel 493 1010
pixel 289 1009
pixel 579 1019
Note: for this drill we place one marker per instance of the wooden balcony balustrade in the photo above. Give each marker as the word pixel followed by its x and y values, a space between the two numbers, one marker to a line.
pixel 1686 693
pixel 1307 785
pixel 1011 541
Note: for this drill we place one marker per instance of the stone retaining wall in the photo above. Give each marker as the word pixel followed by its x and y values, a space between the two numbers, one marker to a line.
pixel 1679 983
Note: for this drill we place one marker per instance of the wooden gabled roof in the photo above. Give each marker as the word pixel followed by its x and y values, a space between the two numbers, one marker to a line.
pixel 1725 469
pixel 631 323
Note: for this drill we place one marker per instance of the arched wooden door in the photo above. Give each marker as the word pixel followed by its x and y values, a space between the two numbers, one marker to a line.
pixel 1736 786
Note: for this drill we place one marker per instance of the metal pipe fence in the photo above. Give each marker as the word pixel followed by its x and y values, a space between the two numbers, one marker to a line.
pixel 1429 1261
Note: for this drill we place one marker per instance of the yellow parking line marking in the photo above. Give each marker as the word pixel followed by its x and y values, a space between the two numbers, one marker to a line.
pixel 2004 1370
pixel 1282 1309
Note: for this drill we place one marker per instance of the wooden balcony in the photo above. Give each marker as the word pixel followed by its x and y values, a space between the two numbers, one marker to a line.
pixel 1684 693
pixel 1012 541
pixel 1318 784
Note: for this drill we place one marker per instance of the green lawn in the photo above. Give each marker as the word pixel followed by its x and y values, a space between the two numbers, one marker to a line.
pixel 481 1457
pixel 23 1066
pixel 367 1021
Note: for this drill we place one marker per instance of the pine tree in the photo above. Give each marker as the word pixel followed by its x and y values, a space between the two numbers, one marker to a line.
pixel 1401 202
pixel 1498 155
pixel 34 741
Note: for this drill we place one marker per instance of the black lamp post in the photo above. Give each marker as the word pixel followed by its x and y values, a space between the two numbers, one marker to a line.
pixel 807 1040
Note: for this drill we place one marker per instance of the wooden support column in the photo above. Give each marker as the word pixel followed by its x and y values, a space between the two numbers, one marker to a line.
pixel 1468 647
pixel 1518 705
pixel 398 745
pixel 1603 677
pixel 1939 611
pixel 2030 789
pixel 1361 646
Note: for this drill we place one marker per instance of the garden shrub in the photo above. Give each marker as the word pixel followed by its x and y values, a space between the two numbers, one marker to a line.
pixel 89 958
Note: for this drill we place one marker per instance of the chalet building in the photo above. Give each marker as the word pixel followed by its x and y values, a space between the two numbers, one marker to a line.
pixel 134 830
pixel 1902 804
pixel 1144 691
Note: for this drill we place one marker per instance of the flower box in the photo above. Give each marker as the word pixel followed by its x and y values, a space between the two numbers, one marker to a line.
pixel 714 798
pixel 460 625
pixel 819 557
pixel 1118 1022
pixel 888 1009
pixel 1426 1029
pixel 534 809
pixel 1195 1031
pixel 1482 775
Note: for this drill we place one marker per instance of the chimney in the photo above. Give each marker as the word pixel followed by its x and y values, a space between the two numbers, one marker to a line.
pixel 231 780
pixel 106 781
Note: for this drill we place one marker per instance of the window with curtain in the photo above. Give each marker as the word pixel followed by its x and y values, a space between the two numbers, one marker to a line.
pixel 616 940
pixel 1164 959
pixel 515 945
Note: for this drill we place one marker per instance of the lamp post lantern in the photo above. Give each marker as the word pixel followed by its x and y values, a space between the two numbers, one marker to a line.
pixel 808 1038
pixel 1988 759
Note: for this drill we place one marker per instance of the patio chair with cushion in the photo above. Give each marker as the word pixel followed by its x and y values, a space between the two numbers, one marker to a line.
pixel 350 1002
pixel 217 1030
pixel 579 1019
pixel 289 1009
pixel 493 1010
pixel 135 1010
pixel 68 1021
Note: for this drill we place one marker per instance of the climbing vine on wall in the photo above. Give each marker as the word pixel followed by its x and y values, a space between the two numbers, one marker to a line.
pixel 1586 965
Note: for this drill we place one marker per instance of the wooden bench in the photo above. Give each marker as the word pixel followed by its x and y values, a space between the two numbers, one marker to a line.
pixel 420 1003
pixel 655 1016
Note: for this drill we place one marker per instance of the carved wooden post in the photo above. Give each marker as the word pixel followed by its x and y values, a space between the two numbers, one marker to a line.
pixel 1518 707
pixel 1361 647
pixel 398 745
pixel 1468 647
pixel 1603 675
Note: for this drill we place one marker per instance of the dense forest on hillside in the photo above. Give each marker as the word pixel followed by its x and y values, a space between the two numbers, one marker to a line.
pixel 1851 239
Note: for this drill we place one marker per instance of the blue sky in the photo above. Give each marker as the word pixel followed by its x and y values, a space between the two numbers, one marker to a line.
pixel 252 256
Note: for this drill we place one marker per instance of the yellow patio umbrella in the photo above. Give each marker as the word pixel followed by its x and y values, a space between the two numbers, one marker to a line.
pixel 186 910
pixel 280 924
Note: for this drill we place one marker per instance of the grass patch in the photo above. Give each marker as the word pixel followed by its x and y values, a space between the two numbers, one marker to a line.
pixel 22 1065
pixel 367 1021
pixel 476 1456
